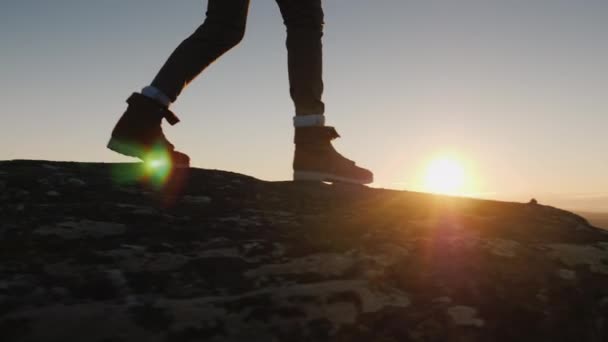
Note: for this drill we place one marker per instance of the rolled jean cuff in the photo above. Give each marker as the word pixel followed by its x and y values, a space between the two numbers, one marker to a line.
pixel 308 120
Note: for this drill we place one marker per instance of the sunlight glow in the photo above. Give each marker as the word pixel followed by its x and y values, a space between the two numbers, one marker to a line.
pixel 445 175
pixel 157 166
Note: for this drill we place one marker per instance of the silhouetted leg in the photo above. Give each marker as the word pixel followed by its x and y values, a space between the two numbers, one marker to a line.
pixel 304 22
pixel 223 28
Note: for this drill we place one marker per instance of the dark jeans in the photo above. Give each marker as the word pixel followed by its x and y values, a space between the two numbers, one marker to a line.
pixel 224 28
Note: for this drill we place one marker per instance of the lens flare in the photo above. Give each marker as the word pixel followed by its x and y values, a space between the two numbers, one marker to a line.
pixel 157 166
pixel 155 171
pixel 445 176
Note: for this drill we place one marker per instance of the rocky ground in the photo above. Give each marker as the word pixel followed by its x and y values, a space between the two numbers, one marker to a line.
pixel 89 254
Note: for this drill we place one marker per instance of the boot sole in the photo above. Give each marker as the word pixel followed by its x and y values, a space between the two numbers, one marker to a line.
pixel 123 148
pixel 128 150
pixel 326 177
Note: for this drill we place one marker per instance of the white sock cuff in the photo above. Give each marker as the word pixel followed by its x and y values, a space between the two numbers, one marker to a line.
pixel 156 95
pixel 309 120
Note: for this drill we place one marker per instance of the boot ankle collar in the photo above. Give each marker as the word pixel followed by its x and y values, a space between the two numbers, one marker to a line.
pixel 311 135
pixel 155 107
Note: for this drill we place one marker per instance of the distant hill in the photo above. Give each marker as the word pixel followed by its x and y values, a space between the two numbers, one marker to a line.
pixel 89 254
pixel 599 220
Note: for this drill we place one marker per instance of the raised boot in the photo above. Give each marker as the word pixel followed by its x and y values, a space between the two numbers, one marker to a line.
pixel 139 134
pixel 315 158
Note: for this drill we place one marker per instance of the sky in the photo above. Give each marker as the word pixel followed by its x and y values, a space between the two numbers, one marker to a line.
pixel 514 90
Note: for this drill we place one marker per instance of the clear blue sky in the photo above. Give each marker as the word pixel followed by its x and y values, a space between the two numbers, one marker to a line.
pixel 517 89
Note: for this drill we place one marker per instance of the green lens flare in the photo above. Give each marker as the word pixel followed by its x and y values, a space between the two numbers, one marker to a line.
pixel 155 169
pixel 157 166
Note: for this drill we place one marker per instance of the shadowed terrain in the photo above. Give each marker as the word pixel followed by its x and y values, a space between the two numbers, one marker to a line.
pixel 597 219
pixel 89 254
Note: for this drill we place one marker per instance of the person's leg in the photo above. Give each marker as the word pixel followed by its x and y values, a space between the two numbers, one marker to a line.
pixel 138 133
pixel 304 22
pixel 223 28
pixel 315 158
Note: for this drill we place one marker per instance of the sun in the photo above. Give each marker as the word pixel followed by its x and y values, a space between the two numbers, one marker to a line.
pixel 445 175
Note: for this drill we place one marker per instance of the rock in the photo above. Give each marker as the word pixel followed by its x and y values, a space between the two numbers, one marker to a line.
pixel 82 229
pixel 465 316
pixel 239 259
pixel 75 182
pixel 59 292
pixel 325 265
pixel 503 248
pixel 542 295
pixel 137 249
pixel 566 274
pixel 117 277
pixel 198 200
pixel 442 300
pixel 21 194
pixel 578 254
pixel 39 296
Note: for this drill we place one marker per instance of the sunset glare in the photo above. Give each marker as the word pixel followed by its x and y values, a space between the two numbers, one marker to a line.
pixel 445 175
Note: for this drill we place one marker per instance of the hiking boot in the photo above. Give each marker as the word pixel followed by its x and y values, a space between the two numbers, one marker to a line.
pixel 138 133
pixel 316 159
